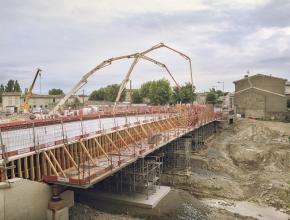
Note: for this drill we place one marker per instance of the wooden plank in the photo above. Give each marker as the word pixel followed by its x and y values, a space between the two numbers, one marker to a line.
pixel 57 163
pixel 87 152
pixel 38 172
pixel 131 136
pixel 112 143
pixel 26 174
pixel 100 146
pixel 145 132
pixel 32 175
pixel 120 136
pixel 44 165
pixel 50 163
pixel 70 157
pixel 137 132
pixel 19 168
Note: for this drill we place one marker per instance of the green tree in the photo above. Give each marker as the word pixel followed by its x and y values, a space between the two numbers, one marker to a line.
pixel 98 95
pixel 183 94
pixel 16 86
pixel 145 89
pixel 12 86
pixel 55 92
pixel 211 97
pixel 136 96
pixel 2 89
pixel 160 92
pixel 109 93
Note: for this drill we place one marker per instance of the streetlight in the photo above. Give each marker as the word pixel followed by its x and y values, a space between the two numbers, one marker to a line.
pixel 223 86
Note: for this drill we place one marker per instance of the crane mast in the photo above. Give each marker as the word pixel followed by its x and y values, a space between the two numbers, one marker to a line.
pixel 25 104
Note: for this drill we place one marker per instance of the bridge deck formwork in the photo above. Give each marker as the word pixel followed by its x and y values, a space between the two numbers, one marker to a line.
pixel 89 159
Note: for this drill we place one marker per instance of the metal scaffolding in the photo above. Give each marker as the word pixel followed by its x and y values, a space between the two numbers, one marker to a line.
pixel 143 176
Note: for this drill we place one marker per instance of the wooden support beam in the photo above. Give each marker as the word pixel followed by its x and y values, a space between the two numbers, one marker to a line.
pixel 19 168
pixel 32 175
pixel 70 157
pixel 26 174
pixel 50 163
pixel 87 152
pixel 145 132
pixel 44 165
pixel 100 146
pixel 122 139
pixel 38 172
pixel 57 163
pixel 12 169
pixel 131 137
pixel 112 142
pixel 137 132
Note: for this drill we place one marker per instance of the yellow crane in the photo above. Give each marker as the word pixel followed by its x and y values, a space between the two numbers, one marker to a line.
pixel 25 104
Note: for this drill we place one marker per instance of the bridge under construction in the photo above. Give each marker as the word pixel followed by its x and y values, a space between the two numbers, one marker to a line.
pixel 84 152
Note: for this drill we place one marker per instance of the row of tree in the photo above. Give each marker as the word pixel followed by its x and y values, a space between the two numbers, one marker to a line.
pixel 157 92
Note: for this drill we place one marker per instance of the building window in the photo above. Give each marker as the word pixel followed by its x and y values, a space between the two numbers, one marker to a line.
pixel 40 106
pixel 53 100
pixel 45 106
pixel 34 106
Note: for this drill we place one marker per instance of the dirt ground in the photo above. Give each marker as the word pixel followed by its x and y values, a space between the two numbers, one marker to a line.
pixel 248 161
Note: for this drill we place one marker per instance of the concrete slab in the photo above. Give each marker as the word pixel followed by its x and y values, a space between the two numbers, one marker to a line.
pixel 137 199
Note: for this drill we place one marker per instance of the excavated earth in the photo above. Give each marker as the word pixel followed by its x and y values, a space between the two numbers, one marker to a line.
pixel 248 161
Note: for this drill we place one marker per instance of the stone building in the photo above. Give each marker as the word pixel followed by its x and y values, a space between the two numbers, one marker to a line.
pixel 261 96
pixel 11 101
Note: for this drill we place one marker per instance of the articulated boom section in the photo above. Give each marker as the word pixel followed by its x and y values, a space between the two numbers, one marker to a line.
pixel 88 159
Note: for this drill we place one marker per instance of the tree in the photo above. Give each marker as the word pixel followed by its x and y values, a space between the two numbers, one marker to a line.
pixel 136 96
pixel 109 93
pixel 98 95
pixel 2 89
pixel 145 89
pixel 16 86
pixel 12 86
pixel 183 94
pixel 211 97
pixel 160 92
pixel 55 92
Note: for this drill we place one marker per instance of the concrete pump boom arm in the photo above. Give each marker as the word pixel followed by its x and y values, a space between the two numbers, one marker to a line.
pixel 84 79
pixel 142 55
pixel 108 62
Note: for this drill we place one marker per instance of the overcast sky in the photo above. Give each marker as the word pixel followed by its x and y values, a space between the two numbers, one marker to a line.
pixel 67 38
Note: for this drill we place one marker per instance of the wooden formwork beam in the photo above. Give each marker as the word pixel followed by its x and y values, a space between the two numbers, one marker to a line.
pixel 57 163
pixel 112 142
pixel 69 156
pixel 143 129
pixel 131 137
pixel 19 168
pixel 137 132
pixel 26 174
pixel 122 139
pixel 87 152
pixel 32 175
pixel 100 146
pixel 50 163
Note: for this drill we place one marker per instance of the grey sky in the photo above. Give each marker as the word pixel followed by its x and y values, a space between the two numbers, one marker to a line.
pixel 68 38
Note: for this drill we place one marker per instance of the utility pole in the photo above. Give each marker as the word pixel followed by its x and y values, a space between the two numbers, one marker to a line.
pixel 223 86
